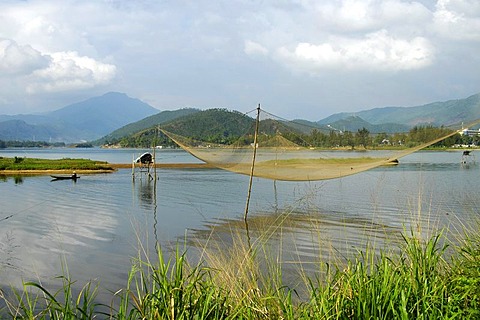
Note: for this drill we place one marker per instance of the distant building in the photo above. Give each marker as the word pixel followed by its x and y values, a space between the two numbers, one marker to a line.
pixel 471 132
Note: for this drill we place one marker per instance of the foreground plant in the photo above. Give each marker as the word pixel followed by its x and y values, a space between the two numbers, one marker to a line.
pixel 420 281
pixel 36 302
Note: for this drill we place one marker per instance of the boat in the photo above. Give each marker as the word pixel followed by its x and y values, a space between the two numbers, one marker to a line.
pixel 71 177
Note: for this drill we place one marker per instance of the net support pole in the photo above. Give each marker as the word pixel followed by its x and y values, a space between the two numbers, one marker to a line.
pixel 133 167
pixel 253 162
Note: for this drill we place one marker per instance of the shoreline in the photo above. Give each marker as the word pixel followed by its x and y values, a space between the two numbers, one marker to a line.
pixel 53 171
pixel 114 166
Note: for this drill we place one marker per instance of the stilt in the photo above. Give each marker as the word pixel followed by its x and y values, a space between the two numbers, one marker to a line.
pixel 253 162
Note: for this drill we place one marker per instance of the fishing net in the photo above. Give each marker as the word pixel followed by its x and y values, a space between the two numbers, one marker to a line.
pixel 298 150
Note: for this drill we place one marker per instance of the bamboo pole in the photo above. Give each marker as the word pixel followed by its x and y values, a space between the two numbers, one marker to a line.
pixel 253 162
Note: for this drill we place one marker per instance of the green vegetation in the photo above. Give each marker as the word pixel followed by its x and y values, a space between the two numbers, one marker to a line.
pixel 220 126
pixel 20 163
pixel 319 161
pixel 420 281
pixel 213 125
pixel 417 135
pixel 148 122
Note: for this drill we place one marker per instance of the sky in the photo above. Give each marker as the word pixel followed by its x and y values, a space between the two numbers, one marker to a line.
pixel 296 58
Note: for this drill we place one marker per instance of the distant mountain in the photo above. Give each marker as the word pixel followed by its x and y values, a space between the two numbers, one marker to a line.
pixel 148 122
pixel 354 123
pixel 20 130
pixel 438 113
pixel 115 115
pixel 82 121
pixel 220 125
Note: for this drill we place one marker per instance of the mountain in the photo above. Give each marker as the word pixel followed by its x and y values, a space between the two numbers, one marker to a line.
pixel 220 125
pixel 148 122
pixel 211 122
pixel 82 121
pixel 354 123
pixel 216 125
pixel 103 116
pixel 437 113
pixel 20 130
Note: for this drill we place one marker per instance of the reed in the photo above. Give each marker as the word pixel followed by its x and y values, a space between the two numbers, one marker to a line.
pixel 244 281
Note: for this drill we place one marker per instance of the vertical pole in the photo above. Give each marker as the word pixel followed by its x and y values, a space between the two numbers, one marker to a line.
pixel 155 161
pixel 133 167
pixel 253 162
pixel 154 157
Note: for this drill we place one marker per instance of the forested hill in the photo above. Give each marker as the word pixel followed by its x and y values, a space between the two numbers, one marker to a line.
pixel 146 123
pixel 214 125
pixel 220 126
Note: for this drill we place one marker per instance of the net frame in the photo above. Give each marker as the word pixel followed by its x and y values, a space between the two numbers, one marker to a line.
pixel 278 158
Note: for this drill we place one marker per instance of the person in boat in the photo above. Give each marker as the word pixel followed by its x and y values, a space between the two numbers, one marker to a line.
pixel 74 175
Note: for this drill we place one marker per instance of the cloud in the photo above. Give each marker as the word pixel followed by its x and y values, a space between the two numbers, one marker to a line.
pixel 69 71
pixel 191 51
pixel 253 48
pixel 368 15
pixel 19 60
pixel 375 52
pixel 458 19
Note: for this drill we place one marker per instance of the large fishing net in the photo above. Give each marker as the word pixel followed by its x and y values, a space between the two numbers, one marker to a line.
pixel 300 150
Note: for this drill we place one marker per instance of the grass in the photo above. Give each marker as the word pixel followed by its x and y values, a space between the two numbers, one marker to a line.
pixel 19 163
pixel 320 161
pixel 419 281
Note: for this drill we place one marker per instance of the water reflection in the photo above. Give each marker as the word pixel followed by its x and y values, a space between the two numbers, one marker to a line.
pixel 146 192
pixel 146 188
pixel 303 240
pixel 16 179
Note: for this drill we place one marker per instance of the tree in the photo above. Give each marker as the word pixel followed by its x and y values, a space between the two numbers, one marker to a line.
pixel 348 139
pixel 362 137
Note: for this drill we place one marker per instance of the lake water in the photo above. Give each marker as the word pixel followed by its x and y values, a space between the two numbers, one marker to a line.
pixel 96 225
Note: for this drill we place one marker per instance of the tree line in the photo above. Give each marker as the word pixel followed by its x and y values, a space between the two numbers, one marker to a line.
pixel 29 144
pixel 362 138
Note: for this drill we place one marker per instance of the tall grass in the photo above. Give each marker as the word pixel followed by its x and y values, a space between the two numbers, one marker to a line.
pixel 418 281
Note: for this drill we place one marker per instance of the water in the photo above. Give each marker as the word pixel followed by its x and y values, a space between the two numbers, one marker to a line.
pixel 94 227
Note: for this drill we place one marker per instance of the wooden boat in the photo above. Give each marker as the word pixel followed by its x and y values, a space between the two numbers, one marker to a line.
pixel 72 177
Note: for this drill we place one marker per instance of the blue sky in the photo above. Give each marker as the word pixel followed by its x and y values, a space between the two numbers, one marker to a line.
pixel 298 59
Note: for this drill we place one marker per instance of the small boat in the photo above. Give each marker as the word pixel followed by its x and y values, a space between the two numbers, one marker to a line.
pixel 71 177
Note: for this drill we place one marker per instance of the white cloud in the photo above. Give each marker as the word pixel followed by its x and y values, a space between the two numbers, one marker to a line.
pixel 369 15
pixel 166 48
pixel 458 19
pixel 254 48
pixel 69 71
pixel 377 51
pixel 19 60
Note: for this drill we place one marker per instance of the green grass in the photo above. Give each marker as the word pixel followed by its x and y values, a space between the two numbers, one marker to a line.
pixel 420 281
pixel 19 163
pixel 320 161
